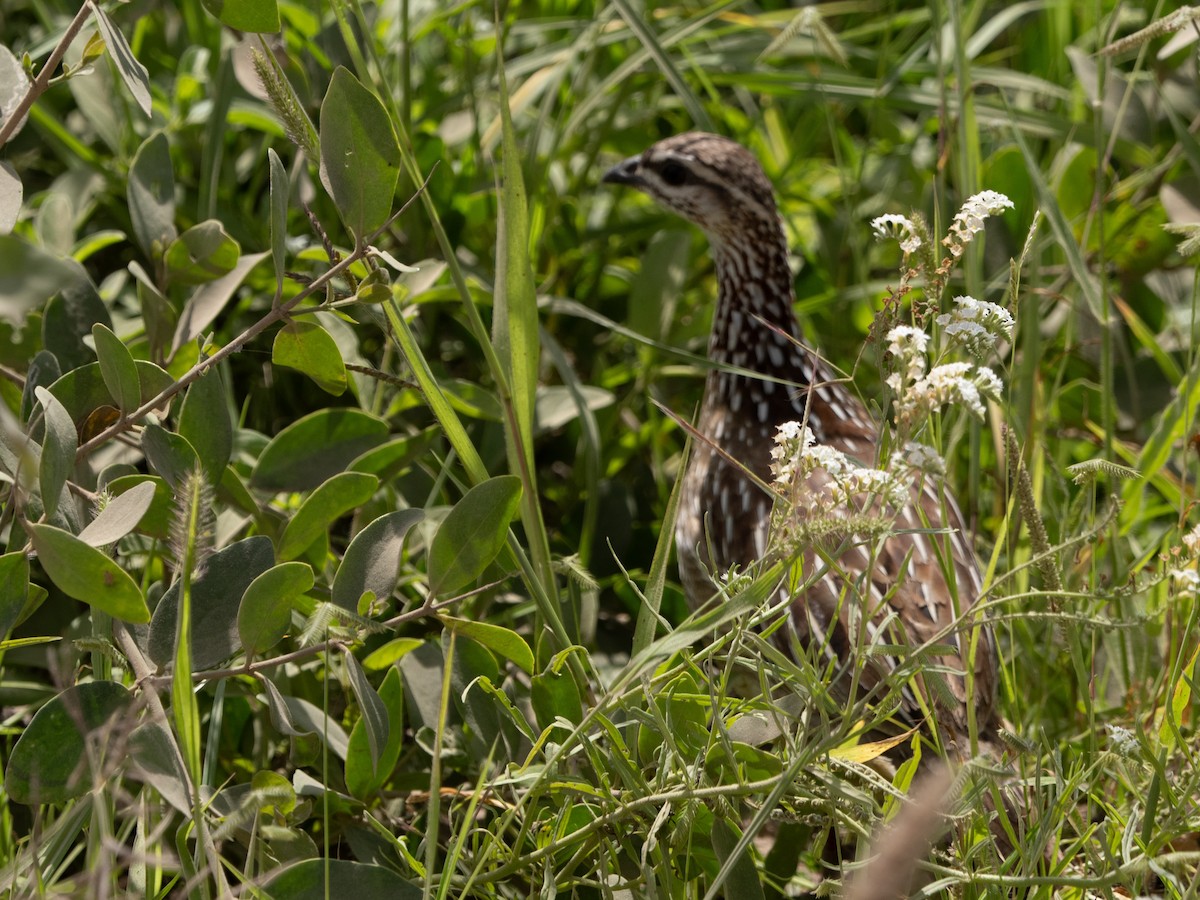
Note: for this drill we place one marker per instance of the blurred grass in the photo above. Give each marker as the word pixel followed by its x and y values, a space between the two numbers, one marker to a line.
pixel 932 103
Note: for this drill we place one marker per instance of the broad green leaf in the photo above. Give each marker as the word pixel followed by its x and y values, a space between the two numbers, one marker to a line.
pixel 306 881
pixel 364 775
pixel 67 322
pixel 204 423
pixel 266 608
pixel 151 196
pixel 169 454
pixel 82 391
pixel 120 515
pixel 360 158
pixel 496 638
pixel 390 653
pixel 29 276
pixel 741 876
pixel 328 503
pixel 395 456
pixel 374 712
pixel 472 535
pixel 83 572
pixel 117 368
pixel 203 253
pixel 216 596
pixel 14 590
pixel 372 561
pixel 273 794
pixel 281 188
pixel 555 695
pixel 132 72
pixel 315 448
pixel 260 16
pixel 52 761
pixel 309 348
pixel 58 450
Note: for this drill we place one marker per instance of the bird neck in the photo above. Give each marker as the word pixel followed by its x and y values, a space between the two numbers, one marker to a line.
pixel 754 326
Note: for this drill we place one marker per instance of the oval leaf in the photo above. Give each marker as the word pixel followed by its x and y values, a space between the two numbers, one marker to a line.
pixel 311 450
pixel 86 574
pixel 117 368
pixel 120 515
pixel 360 157
pixel 259 16
pixel 58 450
pixel 328 503
pixel 266 608
pixel 472 535
pixel 374 713
pixel 216 596
pixel 309 348
pixel 151 195
pixel 306 881
pixel 52 761
pixel 365 776
pixel 500 640
pixel 203 253
pixel 372 561
pixel 204 422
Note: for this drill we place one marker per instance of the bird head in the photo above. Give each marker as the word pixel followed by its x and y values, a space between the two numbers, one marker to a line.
pixel 707 179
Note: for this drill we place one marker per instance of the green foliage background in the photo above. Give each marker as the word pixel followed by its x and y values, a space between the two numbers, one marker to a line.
pixel 363 571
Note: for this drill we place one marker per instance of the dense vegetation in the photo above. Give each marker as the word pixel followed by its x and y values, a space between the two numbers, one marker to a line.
pixel 315 560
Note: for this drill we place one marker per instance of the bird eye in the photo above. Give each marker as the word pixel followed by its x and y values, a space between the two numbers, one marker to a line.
pixel 673 173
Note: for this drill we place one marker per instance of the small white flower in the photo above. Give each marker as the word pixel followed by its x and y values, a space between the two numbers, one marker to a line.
pixel 1122 739
pixel 924 458
pixel 1186 581
pixel 977 324
pixel 969 221
pixel 1191 542
pixel 899 227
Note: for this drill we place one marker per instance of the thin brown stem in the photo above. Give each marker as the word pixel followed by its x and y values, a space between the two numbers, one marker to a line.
pixel 42 82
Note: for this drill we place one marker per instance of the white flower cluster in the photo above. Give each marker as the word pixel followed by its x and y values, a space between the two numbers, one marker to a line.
pixel 924 458
pixel 899 227
pixel 977 325
pixel 969 221
pixel 920 393
pixel 1123 740
pixel 797 455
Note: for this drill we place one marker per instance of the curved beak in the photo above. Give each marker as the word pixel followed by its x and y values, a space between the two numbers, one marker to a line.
pixel 625 172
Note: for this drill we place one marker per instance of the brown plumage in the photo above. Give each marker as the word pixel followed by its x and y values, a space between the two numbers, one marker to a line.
pixel 898 582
